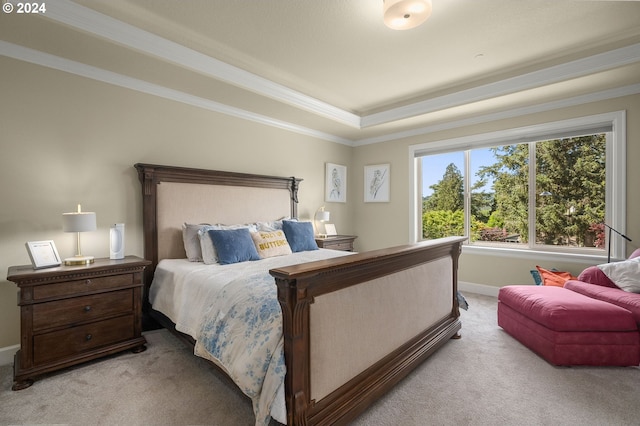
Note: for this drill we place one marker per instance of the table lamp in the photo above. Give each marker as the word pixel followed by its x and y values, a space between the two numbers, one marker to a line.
pixel 78 222
pixel 321 216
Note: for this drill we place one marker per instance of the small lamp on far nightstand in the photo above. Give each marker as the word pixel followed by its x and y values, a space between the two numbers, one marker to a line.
pixel 79 222
pixel 321 216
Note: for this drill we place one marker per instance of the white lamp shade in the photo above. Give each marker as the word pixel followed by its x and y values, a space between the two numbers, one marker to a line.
pixel 323 216
pixel 79 222
pixel 406 14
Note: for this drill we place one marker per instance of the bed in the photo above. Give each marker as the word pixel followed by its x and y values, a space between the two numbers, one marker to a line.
pixel 351 325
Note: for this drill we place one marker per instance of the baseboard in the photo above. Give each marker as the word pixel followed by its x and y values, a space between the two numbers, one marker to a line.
pixel 7 353
pixel 486 290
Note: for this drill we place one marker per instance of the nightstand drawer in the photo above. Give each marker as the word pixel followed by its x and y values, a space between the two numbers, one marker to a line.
pixel 337 242
pixel 81 309
pixel 340 246
pixel 73 288
pixel 75 340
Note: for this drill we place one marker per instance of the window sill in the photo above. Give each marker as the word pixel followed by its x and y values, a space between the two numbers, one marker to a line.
pixel 582 258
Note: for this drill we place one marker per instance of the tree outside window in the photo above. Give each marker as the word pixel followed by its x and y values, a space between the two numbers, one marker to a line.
pixel 562 203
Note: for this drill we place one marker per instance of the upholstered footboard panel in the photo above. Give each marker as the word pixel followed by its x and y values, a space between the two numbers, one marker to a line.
pixel 355 326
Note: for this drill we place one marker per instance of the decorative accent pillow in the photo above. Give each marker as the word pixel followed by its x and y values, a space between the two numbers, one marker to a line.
pixel 537 279
pixel 233 245
pixel 273 225
pixel 625 274
pixel 555 278
pixel 209 255
pixel 593 275
pixel 270 244
pixel 299 235
pixel 192 241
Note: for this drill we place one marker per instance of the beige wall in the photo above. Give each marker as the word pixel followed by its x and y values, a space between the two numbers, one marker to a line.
pixel 380 225
pixel 67 140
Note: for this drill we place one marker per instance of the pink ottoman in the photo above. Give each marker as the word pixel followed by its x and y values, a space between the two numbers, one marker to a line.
pixel 568 328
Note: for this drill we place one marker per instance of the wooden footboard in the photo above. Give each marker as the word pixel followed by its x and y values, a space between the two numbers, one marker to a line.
pixel 355 326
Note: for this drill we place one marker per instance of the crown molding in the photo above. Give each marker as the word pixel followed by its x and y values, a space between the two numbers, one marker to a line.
pixel 50 61
pixel 90 21
pixel 574 69
pixel 618 92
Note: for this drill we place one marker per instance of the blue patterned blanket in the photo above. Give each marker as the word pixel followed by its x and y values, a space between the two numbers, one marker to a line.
pixel 242 333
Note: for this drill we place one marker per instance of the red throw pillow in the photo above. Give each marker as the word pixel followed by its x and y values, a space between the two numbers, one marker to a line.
pixel 555 278
pixel 593 275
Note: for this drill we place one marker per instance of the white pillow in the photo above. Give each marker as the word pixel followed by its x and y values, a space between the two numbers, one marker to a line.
pixel 625 274
pixel 191 241
pixel 209 254
pixel 272 225
pixel 208 250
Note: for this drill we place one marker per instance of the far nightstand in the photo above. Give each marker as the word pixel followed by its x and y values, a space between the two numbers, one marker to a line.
pixel 337 242
pixel 73 314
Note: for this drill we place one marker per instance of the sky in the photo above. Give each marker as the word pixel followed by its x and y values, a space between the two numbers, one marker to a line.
pixel 434 166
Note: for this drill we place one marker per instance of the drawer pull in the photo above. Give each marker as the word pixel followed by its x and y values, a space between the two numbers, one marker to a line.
pixel 87 308
pixel 88 337
pixel 87 282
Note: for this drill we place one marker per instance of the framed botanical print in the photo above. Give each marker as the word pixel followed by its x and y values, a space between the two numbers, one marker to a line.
pixel 376 183
pixel 335 183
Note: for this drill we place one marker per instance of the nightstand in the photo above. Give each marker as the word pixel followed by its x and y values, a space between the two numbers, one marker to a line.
pixel 73 314
pixel 337 242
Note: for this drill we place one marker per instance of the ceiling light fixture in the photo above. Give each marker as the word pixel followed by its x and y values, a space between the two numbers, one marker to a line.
pixel 406 14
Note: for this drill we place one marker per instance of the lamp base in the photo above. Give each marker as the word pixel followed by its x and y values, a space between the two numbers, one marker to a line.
pixel 79 260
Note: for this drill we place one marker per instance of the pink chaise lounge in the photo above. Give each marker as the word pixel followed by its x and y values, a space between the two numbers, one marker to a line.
pixel 568 328
pixel 589 321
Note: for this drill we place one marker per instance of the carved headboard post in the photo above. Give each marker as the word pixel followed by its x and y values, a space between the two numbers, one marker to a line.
pixel 146 175
pixel 294 196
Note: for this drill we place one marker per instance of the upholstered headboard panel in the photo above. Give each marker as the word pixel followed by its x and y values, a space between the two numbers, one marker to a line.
pixel 174 195
pixel 212 204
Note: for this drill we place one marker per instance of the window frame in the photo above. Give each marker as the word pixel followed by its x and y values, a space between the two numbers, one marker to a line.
pixel 615 187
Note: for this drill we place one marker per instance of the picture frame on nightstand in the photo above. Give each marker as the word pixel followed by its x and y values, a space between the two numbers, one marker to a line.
pixel 330 229
pixel 43 254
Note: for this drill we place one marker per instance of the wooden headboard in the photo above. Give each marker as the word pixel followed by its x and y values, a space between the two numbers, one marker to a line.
pixel 172 196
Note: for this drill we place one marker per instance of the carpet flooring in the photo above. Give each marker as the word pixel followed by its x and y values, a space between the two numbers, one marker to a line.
pixel 485 378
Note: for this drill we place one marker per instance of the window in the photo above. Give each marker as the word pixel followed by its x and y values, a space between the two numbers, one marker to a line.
pixel 546 188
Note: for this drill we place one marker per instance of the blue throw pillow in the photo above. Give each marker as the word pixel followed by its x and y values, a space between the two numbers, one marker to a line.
pixel 233 245
pixel 299 235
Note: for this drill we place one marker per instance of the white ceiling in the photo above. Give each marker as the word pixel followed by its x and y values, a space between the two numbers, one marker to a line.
pixel 331 68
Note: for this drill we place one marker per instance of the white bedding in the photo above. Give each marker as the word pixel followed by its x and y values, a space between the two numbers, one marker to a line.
pixel 187 292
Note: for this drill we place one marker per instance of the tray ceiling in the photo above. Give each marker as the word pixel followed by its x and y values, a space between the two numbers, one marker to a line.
pixel 333 69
